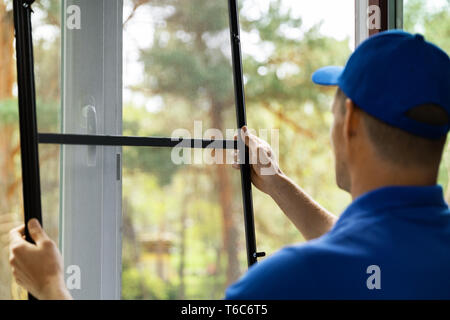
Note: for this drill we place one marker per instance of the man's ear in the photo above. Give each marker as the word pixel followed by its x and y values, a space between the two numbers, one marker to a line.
pixel 352 119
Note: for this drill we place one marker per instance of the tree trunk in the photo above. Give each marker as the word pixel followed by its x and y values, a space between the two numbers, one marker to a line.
pixel 229 232
pixel 6 52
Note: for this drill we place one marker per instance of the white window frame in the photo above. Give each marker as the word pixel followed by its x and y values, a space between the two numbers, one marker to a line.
pixel 91 186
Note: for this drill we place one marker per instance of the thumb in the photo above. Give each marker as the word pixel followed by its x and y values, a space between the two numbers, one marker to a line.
pixel 245 136
pixel 36 231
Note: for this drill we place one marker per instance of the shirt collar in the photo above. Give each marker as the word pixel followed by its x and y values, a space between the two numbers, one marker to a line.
pixel 388 198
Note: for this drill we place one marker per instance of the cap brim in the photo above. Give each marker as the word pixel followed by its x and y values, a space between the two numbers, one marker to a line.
pixel 327 76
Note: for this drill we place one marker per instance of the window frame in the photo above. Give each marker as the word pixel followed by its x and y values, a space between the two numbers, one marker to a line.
pixel 391 17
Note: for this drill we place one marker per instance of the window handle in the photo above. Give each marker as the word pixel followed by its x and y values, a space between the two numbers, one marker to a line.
pixel 90 115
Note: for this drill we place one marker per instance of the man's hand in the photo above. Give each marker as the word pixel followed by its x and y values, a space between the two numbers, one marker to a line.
pixel 264 165
pixel 38 268
pixel 308 216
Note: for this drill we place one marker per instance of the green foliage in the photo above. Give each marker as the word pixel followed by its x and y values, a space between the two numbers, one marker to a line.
pixel 143 285
pixel 47 113
pixel 194 60
pixel 9 113
pixel 154 161
pixel 435 25
pixel 285 76
pixel 151 160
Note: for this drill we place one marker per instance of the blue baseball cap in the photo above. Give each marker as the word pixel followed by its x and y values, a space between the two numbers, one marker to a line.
pixel 391 73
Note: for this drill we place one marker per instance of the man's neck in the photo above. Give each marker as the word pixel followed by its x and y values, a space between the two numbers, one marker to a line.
pixel 371 178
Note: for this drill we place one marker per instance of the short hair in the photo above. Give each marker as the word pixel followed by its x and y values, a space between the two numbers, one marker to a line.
pixel 399 146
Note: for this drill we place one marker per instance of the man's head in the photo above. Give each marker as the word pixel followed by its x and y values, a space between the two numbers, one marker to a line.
pixel 362 141
pixel 392 112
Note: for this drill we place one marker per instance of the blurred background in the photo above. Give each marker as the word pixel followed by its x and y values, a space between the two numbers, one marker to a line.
pixel 183 230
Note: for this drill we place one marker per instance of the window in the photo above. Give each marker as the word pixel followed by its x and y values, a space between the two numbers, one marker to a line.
pixel 111 88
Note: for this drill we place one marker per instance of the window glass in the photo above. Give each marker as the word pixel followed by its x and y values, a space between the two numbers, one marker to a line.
pixel 183 229
pixel 46 22
pixel 283 43
pixel 49 166
pixel 177 65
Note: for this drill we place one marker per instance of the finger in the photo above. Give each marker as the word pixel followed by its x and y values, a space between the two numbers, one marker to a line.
pixel 20 277
pixel 36 232
pixel 250 140
pixel 244 134
pixel 17 233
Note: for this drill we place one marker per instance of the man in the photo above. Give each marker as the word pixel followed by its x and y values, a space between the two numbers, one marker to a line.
pixel 391 118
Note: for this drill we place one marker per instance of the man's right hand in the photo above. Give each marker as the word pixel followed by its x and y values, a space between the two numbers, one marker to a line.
pixel 264 165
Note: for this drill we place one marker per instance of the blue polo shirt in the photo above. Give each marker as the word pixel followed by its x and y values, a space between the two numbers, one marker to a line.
pixel 391 243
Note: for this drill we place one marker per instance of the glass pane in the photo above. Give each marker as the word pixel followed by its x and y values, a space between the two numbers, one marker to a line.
pixel 283 43
pixel 50 189
pixel 177 65
pixel 432 18
pixel 47 59
pixel 183 229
